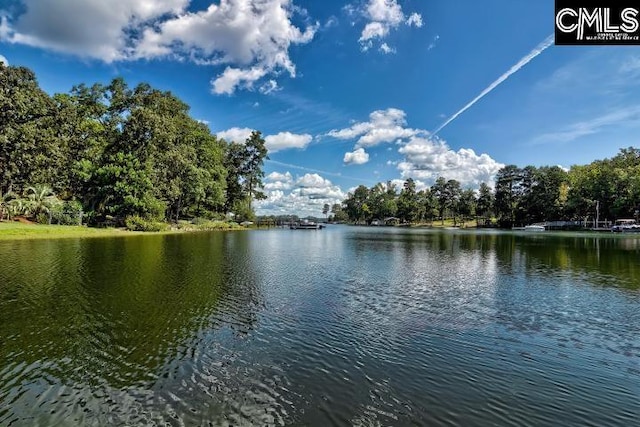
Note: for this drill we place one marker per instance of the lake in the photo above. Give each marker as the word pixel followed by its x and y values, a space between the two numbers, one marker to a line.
pixel 343 326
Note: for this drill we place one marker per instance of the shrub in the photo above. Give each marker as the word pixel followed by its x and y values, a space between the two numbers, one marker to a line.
pixel 42 218
pixel 137 223
pixel 67 213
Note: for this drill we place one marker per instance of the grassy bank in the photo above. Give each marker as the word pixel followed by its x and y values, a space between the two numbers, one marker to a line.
pixel 19 231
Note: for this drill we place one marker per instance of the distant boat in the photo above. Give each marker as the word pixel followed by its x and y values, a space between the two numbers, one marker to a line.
pixel 306 225
pixel 534 227
pixel 626 226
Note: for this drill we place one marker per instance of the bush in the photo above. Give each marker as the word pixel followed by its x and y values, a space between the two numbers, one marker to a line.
pixel 67 213
pixel 42 218
pixel 136 223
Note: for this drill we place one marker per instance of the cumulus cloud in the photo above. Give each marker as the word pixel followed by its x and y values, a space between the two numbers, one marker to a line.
pixel 303 196
pixel 287 140
pixel 357 157
pixel 274 143
pixel 426 159
pixel 88 28
pixel 278 182
pixel 251 38
pixel 3 60
pixel 383 126
pixel 237 135
pixel 384 16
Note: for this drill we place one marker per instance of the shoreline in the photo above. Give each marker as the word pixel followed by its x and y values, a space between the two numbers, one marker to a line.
pixel 14 231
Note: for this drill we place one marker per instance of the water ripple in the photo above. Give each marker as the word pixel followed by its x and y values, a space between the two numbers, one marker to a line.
pixel 342 327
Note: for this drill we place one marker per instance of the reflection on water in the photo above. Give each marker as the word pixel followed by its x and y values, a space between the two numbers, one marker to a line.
pixel 346 326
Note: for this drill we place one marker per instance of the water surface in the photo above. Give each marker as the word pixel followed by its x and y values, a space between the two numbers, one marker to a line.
pixel 344 326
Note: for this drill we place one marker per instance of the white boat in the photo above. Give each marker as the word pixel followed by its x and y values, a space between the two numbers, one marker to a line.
pixel 626 226
pixel 534 227
pixel 306 225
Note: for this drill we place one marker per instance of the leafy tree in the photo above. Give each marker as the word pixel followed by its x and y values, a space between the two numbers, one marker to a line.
pixel 256 154
pixel 5 204
pixel 429 204
pixel 27 144
pixel 467 204
pixel 325 209
pixel 439 192
pixel 354 204
pixel 244 167
pixel 508 194
pixel 408 202
pixel 486 201
pixel 339 215
pixel 40 201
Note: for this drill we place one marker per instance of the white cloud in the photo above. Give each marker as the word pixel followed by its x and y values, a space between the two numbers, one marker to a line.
pixel 304 196
pixel 231 78
pixel 416 20
pixel 269 87
pixel 384 16
pixel 432 46
pixel 286 140
pixel 277 176
pixel 278 182
pixel 251 37
pixel 274 143
pixel 3 60
pixel 425 156
pixel 88 28
pixel 237 135
pixel 385 48
pixel 358 157
pixel 427 159
pixel 383 126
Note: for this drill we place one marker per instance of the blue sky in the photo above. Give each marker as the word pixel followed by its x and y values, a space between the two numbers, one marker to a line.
pixel 350 93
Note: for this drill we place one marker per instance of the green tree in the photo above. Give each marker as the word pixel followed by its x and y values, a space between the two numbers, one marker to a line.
pixel 256 154
pixel 354 203
pixel 27 143
pixel 244 164
pixel 486 201
pixel 325 210
pixel 439 192
pixel 508 194
pixel 408 202
pixel 339 215
pixel 41 200
pixel 467 204
pixel 5 204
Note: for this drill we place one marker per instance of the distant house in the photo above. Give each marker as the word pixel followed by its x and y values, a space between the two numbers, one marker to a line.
pixel 392 220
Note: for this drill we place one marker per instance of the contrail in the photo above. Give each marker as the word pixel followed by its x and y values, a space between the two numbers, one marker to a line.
pixel 288 165
pixel 524 61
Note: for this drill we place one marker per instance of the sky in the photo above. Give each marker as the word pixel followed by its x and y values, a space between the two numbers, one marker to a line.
pixel 350 92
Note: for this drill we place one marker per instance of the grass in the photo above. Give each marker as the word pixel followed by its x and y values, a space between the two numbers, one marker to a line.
pixel 209 226
pixel 20 231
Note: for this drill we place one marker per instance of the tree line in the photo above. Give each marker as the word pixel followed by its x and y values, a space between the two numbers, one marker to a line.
pixel 607 189
pixel 110 152
pixel 105 153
